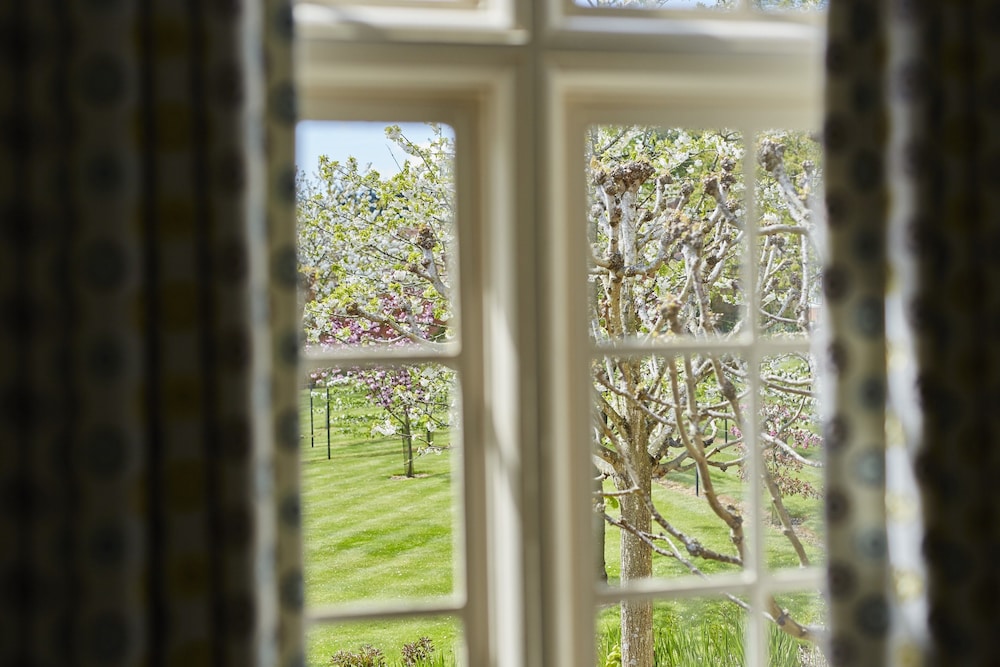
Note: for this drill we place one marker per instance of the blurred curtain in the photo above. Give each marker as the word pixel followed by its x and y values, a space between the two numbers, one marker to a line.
pixel 912 135
pixel 148 428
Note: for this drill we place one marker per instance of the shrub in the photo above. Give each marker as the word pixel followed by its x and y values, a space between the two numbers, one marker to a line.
pixel 367 656
pixel 418 652
pixel 414 654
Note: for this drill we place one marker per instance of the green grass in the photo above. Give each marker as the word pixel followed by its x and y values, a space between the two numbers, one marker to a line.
pixel 694 633
pixel 691 514
pixel 369 535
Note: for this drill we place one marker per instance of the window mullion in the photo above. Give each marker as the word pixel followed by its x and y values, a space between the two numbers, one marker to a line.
pixel 565 380
pixel 756 630
pixel 469 164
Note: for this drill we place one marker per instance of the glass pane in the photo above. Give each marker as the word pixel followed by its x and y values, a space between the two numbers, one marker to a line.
pixel 376 246
pixel 376 233
pixel 726 5
pixel 381 512
pixel 682 633
pixel 791 5
pixel 412 642
pixel 669 469
pixel 666 232
pixel 796 641
pixel 788 198
pixel 792 450
pixel 712 631
pixel 442 4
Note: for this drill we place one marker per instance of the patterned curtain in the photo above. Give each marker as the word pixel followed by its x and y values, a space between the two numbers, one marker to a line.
pixel 148 428
pixel 912 136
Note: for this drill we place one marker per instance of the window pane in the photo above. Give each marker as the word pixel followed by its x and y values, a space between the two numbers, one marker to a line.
pixel 443 4
pixel 669 466
pixel 376 234
pixel 788 197
pixel 712 631
pixel 797 641
pixel 792 450
pixel 660 4
pixel 424 641
pixel 380 509
pixel 688 633
pixel 666 232
pixel 790 5
pixel 376 253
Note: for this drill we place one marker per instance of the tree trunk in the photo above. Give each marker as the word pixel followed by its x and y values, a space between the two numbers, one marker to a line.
pixel 407 447
pixel 637 558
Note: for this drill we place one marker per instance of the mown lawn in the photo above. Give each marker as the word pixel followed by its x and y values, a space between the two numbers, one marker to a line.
pixel 371 535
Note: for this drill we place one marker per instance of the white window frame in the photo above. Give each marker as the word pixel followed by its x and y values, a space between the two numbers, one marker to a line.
pixel 402 21
pixel 519 100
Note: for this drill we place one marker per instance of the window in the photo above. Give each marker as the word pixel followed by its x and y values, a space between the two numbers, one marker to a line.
pixel 522 85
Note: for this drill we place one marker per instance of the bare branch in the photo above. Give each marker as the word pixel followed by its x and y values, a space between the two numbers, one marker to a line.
pixel 411 335
pixel 790 452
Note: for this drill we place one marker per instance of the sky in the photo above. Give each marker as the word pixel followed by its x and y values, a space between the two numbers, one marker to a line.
pixel 363 140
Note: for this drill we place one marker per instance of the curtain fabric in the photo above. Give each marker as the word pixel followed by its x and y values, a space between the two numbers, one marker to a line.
pixel 148 428
pixel 912 135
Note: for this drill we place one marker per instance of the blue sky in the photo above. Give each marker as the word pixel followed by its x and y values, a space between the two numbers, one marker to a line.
pixel 364 140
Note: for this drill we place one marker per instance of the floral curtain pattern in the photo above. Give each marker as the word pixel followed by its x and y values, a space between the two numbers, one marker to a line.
pixel 148 432
pixel 911 134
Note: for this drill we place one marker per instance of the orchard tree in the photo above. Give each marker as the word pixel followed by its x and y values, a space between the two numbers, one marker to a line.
pixel 415 401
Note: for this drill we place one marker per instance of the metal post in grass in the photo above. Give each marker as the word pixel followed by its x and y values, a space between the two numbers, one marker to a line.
pixel 312 425
pixel 725 434
pixel 327 422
